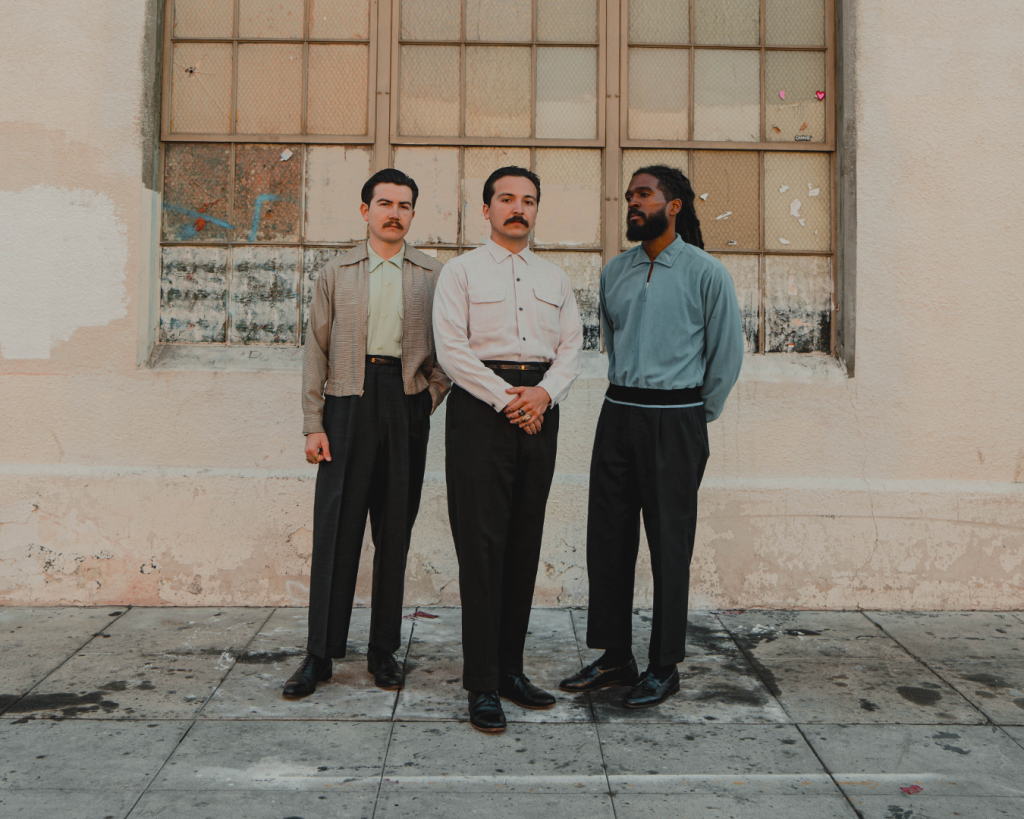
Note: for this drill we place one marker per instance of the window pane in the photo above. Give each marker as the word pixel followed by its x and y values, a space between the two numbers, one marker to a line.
pixel 744 269
pixel 279 19
pixel 800 74
pixel 269 89
pixel 633 159
pixel 196 196
pixel 567 21
pixel 334 176
pixel 203 18
pixel 267 193
pixel 193 295
pixel 567 93
pixel 336 89
pixel 478 163
pixel 570 206
pixel 658 108
pixel 498 87
pixel 727 96
pixel 727 22
pixel 428 104
pixel 730 216
pixel 339 20
pixel 263 298
pixel 584 272
pixel 431 20
pixel 436 171
pixel 798 304
pixel 201 88
pixel 659 21
pixel 797 202
pixel 499 20
pixel 794 22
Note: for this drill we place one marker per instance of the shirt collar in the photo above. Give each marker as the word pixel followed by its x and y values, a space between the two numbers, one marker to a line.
pixel 376 261
pixel 499 253
pixel 667 257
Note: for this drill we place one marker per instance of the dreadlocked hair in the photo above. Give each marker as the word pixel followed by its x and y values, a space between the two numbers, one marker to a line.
pixel 675 185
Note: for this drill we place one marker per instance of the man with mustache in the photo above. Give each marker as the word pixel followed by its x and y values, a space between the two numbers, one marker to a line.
pixel 509 336
pixel 675 346
pixel 370 381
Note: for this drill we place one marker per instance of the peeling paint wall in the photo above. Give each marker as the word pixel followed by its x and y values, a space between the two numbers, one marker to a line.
pixel 184 484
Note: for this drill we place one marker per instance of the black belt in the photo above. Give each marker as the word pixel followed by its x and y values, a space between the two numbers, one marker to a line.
pixel 386 360
pixel 525 366
pixel 654 398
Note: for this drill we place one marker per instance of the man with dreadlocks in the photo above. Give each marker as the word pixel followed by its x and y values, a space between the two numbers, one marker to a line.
pixel 675 345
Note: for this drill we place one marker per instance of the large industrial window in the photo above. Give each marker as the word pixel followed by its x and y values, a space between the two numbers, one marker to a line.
pixel 276 111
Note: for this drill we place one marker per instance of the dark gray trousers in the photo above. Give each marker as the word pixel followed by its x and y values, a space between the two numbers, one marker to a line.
pixel 650 461
pixel 498 482
pixel 378 447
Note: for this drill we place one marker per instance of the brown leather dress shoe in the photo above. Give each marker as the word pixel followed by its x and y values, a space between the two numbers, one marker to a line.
pixel 311 670
pixel 519 689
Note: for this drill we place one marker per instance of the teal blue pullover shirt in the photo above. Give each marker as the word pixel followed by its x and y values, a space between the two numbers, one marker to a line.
pixel 683 330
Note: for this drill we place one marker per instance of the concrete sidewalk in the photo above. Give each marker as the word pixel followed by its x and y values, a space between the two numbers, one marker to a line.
pixel 109 713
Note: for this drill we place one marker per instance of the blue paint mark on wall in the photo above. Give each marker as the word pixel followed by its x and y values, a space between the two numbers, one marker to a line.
pixel 258 212
pixel 194 214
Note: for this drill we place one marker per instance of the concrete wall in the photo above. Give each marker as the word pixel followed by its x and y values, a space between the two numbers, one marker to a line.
pixel 902 487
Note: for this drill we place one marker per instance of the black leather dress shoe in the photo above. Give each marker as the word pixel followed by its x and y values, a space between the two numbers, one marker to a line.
pixel 387 673
pixel 596 676
pixel 311 670
pixel 485 712
pixel 651 690
pixel 519 689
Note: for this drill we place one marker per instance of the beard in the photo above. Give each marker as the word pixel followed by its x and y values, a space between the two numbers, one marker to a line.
pixel 650 227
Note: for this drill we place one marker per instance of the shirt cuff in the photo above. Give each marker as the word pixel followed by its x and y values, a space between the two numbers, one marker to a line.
pixel 312 424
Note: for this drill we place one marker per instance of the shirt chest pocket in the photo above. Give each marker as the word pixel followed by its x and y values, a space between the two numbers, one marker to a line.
pixel 549 306
pixel 486 309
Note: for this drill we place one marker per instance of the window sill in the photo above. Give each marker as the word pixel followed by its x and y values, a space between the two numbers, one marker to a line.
pixel 234 359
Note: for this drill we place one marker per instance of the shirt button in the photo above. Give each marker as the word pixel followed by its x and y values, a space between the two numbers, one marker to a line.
pixel 387 284
pixel 380 348
pixel 520 309
pixel 383 315
pixel 518 280
pixel 524 338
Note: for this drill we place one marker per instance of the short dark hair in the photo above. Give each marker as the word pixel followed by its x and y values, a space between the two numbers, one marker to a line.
pixel 509 170
pixel 674 184
pixel 391 176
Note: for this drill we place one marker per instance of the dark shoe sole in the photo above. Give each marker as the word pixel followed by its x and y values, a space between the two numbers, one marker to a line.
pixel 489 730
pixel 389 687
pixel 529 707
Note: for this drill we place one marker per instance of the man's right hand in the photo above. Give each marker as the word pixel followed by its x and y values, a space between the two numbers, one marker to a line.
pixel 317 448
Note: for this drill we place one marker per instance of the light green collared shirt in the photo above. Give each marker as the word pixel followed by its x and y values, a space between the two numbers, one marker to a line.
pixel 385 311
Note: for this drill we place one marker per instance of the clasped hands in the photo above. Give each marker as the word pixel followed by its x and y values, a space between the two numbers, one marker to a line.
pixel 527 409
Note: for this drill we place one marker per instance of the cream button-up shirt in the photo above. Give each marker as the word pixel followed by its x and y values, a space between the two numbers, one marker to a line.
pixel 384 313
pixel 494 305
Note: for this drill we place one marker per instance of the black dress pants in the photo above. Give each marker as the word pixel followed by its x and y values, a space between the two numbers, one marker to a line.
pixel 378 447
pixel 498 481
pixel 646 460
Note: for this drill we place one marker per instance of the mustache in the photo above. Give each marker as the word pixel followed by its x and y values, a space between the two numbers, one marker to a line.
pixel 635 212
pixel 518 219
pixel 393 223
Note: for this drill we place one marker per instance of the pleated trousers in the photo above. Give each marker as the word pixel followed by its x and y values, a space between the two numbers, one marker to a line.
pixel 498 483
pixel 378 447
pixel 648 461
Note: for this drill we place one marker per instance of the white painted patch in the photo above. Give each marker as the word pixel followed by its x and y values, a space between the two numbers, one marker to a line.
pixel 63 258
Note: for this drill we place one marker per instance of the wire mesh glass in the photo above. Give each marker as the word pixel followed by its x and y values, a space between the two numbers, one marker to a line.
pixel 794 22
pixel 339 19
pixel 429 97
pixel 797 201
pixel 269 89
pixel 334 177
pixel 744 271
pixel 498 91
pixel 632 159
pixel 270 19
pixel 436 171
pixel 196 193
pixel 267 192
pixel 566 92
pixel 727 22
pixel 567 21
pixel 478 164
pixel 499 20
pixel 445 255
pixel 584 272
pixel 201 88
pixel 800 117
pixel 263 295
pixel 659 96
pixel 314 261
pixel 336 89
pixel 431 20
pixel 203 18
pixel 193 295
pixel 569 214
pixel 659 21
pixel 726 95
pixel 798 304
pixel 728 202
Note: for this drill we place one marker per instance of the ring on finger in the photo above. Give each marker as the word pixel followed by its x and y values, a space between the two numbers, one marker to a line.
pixel 522 412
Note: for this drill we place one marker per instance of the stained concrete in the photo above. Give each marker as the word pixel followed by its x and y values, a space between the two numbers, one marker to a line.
pixel 769 721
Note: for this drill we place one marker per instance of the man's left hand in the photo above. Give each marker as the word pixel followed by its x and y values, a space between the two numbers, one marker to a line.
pixel 528 404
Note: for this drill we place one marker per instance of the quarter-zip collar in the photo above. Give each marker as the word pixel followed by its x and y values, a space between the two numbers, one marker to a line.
pixel 666 258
